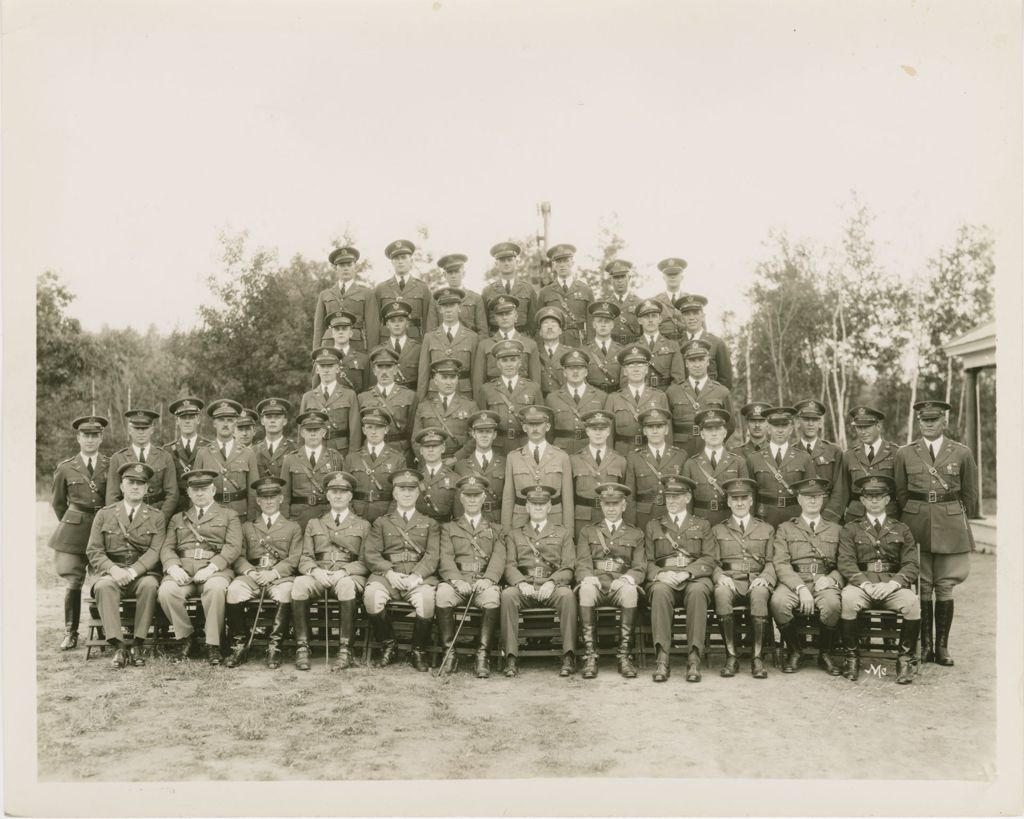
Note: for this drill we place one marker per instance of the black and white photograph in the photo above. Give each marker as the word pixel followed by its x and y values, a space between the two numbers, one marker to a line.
pixel 512 408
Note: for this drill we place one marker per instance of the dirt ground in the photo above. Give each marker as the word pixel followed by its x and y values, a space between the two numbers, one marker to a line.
pixel 165 722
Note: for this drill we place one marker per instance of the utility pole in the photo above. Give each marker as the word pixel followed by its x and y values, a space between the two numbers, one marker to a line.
pixel 544 208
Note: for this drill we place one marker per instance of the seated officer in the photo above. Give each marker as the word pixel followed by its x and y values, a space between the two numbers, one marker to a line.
pixel 681 557
pixel 574 399
pixel 610 565
pixel 648 466
pixel 627 404
pixel 124 554
pixel 712 466
pixel 402 552
pixel 336 400
pixel 537 462
pixel 199 548
pixel 745 572
pixel 508 394
pixel 331 560
pixel 878 557
pixel 437 491
pixel 805 552
pixel 595 464
pixel 372 467
pixel 270 555
pixel 538 570
pixel 397 401
pixel 484 462
pixel 446 410
pixel 472 562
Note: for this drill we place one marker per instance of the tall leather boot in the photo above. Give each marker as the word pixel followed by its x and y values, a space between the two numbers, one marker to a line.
pixel 757 667
pixel 851 642
pixel 627 621
pixel 483 651
pixel 446 626
pixel 927 643
pixel 234 614
pixel 384 634
pixel 588 620
pixel 282 619
pixel 943 620
pixel 727 625
pixel 72 615
pixel 420 642
pixel 791 640
pixel 906 661
pixel 826 645
pixel 300 615
pixel 348 630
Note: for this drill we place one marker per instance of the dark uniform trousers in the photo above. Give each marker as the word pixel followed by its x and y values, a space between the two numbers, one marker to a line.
pixel 219 542
pixel 935 498
pixel 135 544
pixel 801 557
pixel 744 556
pixel 75 499
pixel 867 556
pixel 586 475
pixel 690 548
pixel 536 559
pixel 775 503
pixel 371 497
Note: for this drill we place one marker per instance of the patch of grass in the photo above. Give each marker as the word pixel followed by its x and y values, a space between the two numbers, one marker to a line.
pixel 250 729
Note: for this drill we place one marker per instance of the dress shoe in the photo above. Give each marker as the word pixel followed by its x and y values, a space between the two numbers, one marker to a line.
pixel 120 657
pixel 184 650
pixel 693 667
pixel 662 669
pixel 213 655
pixel 568 665
pixel 69 641
pixel 387 654
pixel 136 656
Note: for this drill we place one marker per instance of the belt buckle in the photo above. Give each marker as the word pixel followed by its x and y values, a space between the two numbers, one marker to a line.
pixel 537 572
pixel 315 499
pixel 813 569
pixel 713 506
pixel 696 431
pixel 933 496
pixel 638 439
pixel 510 433
pixel 653 381
pixel 878 565
pixel 265 562
pixel 660 500
pixel 200 554
pixel 579 433
pixel 487 507
pixel 782 503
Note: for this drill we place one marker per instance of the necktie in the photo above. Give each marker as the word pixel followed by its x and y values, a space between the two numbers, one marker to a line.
pixel 327 395
pixel 384 394
pixel 337 520
pixel 714 461
pixel 270 450
pixel 398 346
pixel 508 286
pixel 406 515
pixel 401 283
pixel 131 514
pixel 199 513
pixel 576 396
pixel 878 527
pixel 142 455
pixel 536 454
pixel 743 528
pixel 448 333
pixel 536 528
pixel 636 396
pixel 551 352
pixel 88 466
pixel 472 524
pixel 484 463
pixel 812 525
pixel 444 402
pixel 696 389
pixel 871 454
pixel 224 451
pixel 650 342
pixel 778 457
pixel 312 459
pixel 597 457
pixel 931 451
pixel 343 289
pixel 611 528
pixel 188 450
pixel 565 287
pixel 509 382
pixel 267 519
pixel 657 457
pixel 677 521
pixel 604 349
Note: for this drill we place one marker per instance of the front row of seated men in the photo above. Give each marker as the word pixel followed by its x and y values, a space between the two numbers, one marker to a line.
pixel 808 566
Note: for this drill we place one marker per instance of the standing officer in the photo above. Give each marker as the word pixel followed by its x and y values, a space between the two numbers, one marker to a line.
pixel 539 567
pixel 398 402
pixel 331 559
pixel 634 398
pixel 712 466
pixel 826 456
pixel 610 564
pixel 335 400
pixel 571 296
pixel 485 463
pixel 509 394
pixel 696 392
pixel 271 450
pixel 437 493
pixel 776 467
pixel 691 308
pixel 755 416
pixel 79 486
pixel 198 551
pixel 508 284
pixel 471 565
pixel 163 485
pixel 354 366
pixel 485 365
pixel 271 545
pixel 573 400
pixel 550 322
pixel 451 341
pixel 604 371
pixel 124 554
pixel 372 467
pixel 447 410
pixel 402 551
pixel 349 295
pixel 406 350
pixel 936 487
pixel 235 465
pixel 626 328
pixel 403 285
pixel 647 467
pixel 666 365
pixel 870 456
pixel 472 312
pixel 681 557
pixel 595 464
pixel 537 463
pixel 245 426
pixel 305 470
pixel 187 443
pixel 878 557
pixel 745 573
pixel 806 550
pixel 672 325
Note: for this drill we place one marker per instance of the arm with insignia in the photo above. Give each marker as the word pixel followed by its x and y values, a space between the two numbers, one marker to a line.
pixel 447 568
pixel 356 567
pixel 289 564
pixel 232 547
pixel 969 484
pixel 638 559
pixel 513 576
pixel 249 537
pixel 677 370
pixel 169 558
pixel 373 549
pixel 567 560
pixel 707 561
pixel 496 563
pixel 651 534
pixel 768 573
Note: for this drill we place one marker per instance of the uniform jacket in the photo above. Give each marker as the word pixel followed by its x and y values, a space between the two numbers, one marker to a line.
pixel 551 375
pixel 411 547
pixel 485 365
pixel 684 404
pixel 472 314
pixel 568 430
pixel 416 293
pixel 113 541
pixel 828 462
pixel 586 475
pixel 745 556
pixel 535 558
pixel 796 466
pixel 436 346
pixel 527 296
pixel 454 421
pixel 720 365
pixel 627 325
pixel 748 448
pixel 692 545
pixel 331 547
pixel 277 548
pixel 941 527
pixel 359 300
pixel 355 368
pixel 400 405
pixel 468 554
pixel 521 471
pixel 801 556
pixel 666 363
pixel 345 431
pixel 672 325
pixel 643 477
pixel 867 557
pixel 844 504
pixel 437 494
pixel 73 485
pixel 707 498
pixel 303 481
pixel 573 303
pixel 163 486
pixel 495 476
pixel 220 533
pixel 408 363
pixel 233 476
pixel 604 371
pixel 183 463
pixel 625 410
pixel 607 556
pixel 496 397
pixel 272 465
pixel 373 477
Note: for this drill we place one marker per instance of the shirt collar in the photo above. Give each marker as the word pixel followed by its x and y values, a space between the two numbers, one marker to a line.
pixel 315 452
pixel 453 329
pixel 514 380
pixel 876 445
pixel 432 470
pixel 475 521
pixel 656 450
pixel 698 334
pixel 880 519
pixel 341 515
pixel 542 446
pixel 595 452
pixel 273 517
pixel 580 388
pixel 489 455
pixel 534 526
pixel 142 449
pixel 700 383
pixel 783 448
pixel 808 521
pixel 128 507
pixel 190 441
pixel 613 527
pixel 936 444
pixel 718 453
pixel 400 339
pixel 329 387
pixel 744 520
pixel 681 517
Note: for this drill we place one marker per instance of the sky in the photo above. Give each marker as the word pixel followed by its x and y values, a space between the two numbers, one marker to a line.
pixel 136 133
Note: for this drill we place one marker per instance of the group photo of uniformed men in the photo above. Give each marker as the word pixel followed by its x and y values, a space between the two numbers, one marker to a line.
pixel 517 449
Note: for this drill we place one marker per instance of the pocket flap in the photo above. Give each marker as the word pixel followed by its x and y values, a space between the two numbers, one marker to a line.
pixel 72 516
